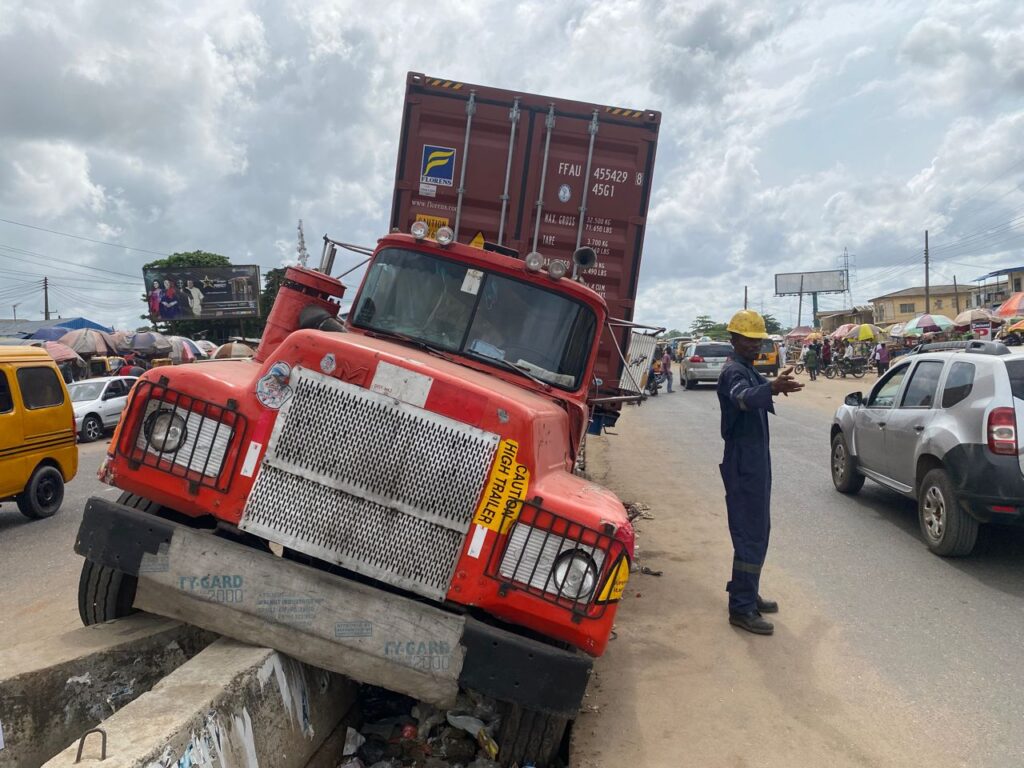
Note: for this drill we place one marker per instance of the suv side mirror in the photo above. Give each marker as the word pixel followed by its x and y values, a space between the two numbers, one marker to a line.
pixel 855 399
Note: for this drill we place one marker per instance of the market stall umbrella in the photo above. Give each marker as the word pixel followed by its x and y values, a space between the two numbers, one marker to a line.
pixel 927 324
pixel 123 339
pixel 53 333
pixel 207 347
pixel 183 350
pixel 1016 327
pixel 842 330
pixel 979 314
pixel 895 330
pixel 799 332
pixel 61 352
pixel 233 349
pixel 150 344
pixel 864 332
pixel 88 342
pixel 1012 307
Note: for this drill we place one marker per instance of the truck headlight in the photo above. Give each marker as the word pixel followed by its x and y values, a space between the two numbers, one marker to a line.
pixel 575 574
pixel 166 430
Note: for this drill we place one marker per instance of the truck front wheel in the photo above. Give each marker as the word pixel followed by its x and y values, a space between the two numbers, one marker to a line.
pixel 105 593
pixel 530 737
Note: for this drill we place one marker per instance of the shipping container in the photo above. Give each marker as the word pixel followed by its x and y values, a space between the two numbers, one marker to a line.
pixel 532 173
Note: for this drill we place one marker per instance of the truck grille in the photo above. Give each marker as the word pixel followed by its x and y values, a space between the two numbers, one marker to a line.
pixel 376 485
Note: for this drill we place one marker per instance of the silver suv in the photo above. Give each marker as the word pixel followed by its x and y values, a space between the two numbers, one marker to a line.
pixel 940 427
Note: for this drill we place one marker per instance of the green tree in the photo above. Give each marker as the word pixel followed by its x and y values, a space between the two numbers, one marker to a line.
pixel 700 326
pixel 217 330
pixel 671 334
pixel 271 285
pixel 772 324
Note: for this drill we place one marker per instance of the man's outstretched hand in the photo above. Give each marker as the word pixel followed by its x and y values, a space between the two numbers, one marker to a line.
pixel 785 383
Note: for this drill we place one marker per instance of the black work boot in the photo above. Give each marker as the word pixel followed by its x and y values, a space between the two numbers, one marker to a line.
pixel 752 622
pixel 767 606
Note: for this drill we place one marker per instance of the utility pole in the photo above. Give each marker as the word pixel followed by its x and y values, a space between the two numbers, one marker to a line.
pixel 744 297
pixel 46 298
pixel 927 285
pixel 15 308
pixel 956 295
pixel 800 303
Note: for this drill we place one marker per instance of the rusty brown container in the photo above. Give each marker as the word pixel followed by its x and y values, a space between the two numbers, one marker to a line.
pixel 533 173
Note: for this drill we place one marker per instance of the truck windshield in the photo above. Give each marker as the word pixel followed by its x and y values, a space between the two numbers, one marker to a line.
pixel 478 314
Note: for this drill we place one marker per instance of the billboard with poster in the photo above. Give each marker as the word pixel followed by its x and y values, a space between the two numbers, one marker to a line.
pixel 202 293
pixel 825 281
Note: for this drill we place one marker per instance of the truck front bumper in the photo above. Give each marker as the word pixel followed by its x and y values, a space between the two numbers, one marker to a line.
pixel 369 634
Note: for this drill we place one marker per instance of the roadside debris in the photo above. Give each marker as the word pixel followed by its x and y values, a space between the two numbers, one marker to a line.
pixel 649 571
pixel 398 731
pixel 638 510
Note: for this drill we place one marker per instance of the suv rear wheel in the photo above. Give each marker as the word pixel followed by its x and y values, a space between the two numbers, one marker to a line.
pixel 845 476
pixel 947 529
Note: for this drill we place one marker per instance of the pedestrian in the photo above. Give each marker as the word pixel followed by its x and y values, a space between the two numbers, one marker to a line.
pixel 811 361
pixel 826 354
pixel 666 369
pixel 745 398
pixel 881 358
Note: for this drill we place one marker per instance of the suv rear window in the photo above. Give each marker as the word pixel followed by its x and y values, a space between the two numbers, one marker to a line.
pixel 40 387
pixel 1016 370
pixel 714 350
pixel 959 383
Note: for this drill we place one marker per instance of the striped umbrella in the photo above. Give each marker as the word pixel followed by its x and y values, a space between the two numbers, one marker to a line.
pixel 927 324
pixel 864 332
pixel 1012 307
pixel 842 330
pixel 233 349
pixel 206 347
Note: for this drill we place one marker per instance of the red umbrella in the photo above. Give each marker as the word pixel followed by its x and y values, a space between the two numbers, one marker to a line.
pixel 1013 306
pixel 799 332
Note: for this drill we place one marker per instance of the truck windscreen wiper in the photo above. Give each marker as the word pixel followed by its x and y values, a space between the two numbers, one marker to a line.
pixel 507 366
pixel 414 342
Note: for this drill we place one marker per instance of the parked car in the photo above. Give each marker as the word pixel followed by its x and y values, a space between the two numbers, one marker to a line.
pixel 98 404
pixel 940 427
pixel 38 454
pixel 702 362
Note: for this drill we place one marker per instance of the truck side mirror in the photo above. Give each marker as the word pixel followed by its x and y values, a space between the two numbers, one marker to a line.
pixel 855 399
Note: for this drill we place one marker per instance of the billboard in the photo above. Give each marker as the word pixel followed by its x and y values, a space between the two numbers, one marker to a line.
pixel 202 293
pixel 826 281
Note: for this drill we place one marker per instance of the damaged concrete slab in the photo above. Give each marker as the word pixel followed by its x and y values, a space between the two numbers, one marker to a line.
pixel 53 692
pixel 233 705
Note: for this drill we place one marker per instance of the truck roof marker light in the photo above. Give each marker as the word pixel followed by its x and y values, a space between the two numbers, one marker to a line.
pixel 444 236
pixel 419 229
pixel 557 270
pixel 533 261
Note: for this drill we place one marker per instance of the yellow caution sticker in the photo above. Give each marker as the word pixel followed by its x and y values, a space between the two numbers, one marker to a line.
pixel 615 585
pixel 433 222
pixel 506 488
pixel 478 240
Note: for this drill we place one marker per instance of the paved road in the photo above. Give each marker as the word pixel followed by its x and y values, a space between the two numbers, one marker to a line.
pixel 946 633
pixel 38 567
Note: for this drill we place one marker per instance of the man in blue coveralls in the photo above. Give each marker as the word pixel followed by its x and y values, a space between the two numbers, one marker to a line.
pixel 746 400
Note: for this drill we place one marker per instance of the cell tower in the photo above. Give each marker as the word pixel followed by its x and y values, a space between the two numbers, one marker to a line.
pixel 845 261
pixel 301 249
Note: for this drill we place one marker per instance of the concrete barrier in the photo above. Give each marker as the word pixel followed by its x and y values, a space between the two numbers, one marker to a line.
pixel 232 706
pixel 51 693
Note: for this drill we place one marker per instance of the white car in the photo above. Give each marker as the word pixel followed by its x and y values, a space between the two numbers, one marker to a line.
pixel 98 404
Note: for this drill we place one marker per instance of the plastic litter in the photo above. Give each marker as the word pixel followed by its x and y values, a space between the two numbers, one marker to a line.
pixel 649 571
pixel 483 762
pixel 351 762
pixel 476 729
pixel 353 741
pixel 410 731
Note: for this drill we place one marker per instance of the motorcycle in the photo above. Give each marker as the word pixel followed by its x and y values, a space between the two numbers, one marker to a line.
pixel 654 381
pixel 854 366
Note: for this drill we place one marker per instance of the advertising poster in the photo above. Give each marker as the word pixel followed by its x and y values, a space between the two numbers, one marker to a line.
pixel 203 293
pixel 982 329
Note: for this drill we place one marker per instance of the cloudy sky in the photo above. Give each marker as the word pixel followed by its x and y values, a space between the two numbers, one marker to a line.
pixel 791 131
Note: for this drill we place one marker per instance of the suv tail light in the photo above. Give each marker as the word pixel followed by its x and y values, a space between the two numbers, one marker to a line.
pixel 696 359
pixel 1002 431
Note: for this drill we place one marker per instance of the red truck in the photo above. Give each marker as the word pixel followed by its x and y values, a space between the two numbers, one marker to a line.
pixel 393 497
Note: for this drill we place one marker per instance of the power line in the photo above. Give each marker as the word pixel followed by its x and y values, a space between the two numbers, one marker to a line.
pixel 86 239
pixel 71 264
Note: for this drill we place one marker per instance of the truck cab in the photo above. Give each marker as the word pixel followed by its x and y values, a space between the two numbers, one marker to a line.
pixel 422 452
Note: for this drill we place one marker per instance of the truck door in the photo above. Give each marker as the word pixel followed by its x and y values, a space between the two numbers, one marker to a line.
pixel 12 473
pixel 871 420
pixel 907 422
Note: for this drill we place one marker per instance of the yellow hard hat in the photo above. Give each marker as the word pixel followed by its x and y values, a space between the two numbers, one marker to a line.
pixel 748 323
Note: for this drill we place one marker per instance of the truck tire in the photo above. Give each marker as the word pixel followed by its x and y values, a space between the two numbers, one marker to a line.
pixel 105 593
pixel 43 494
pixel 845 476
pixel 947 528
pixel 529 737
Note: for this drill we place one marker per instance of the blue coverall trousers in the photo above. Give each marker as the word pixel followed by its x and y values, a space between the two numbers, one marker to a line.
pixel 747 475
